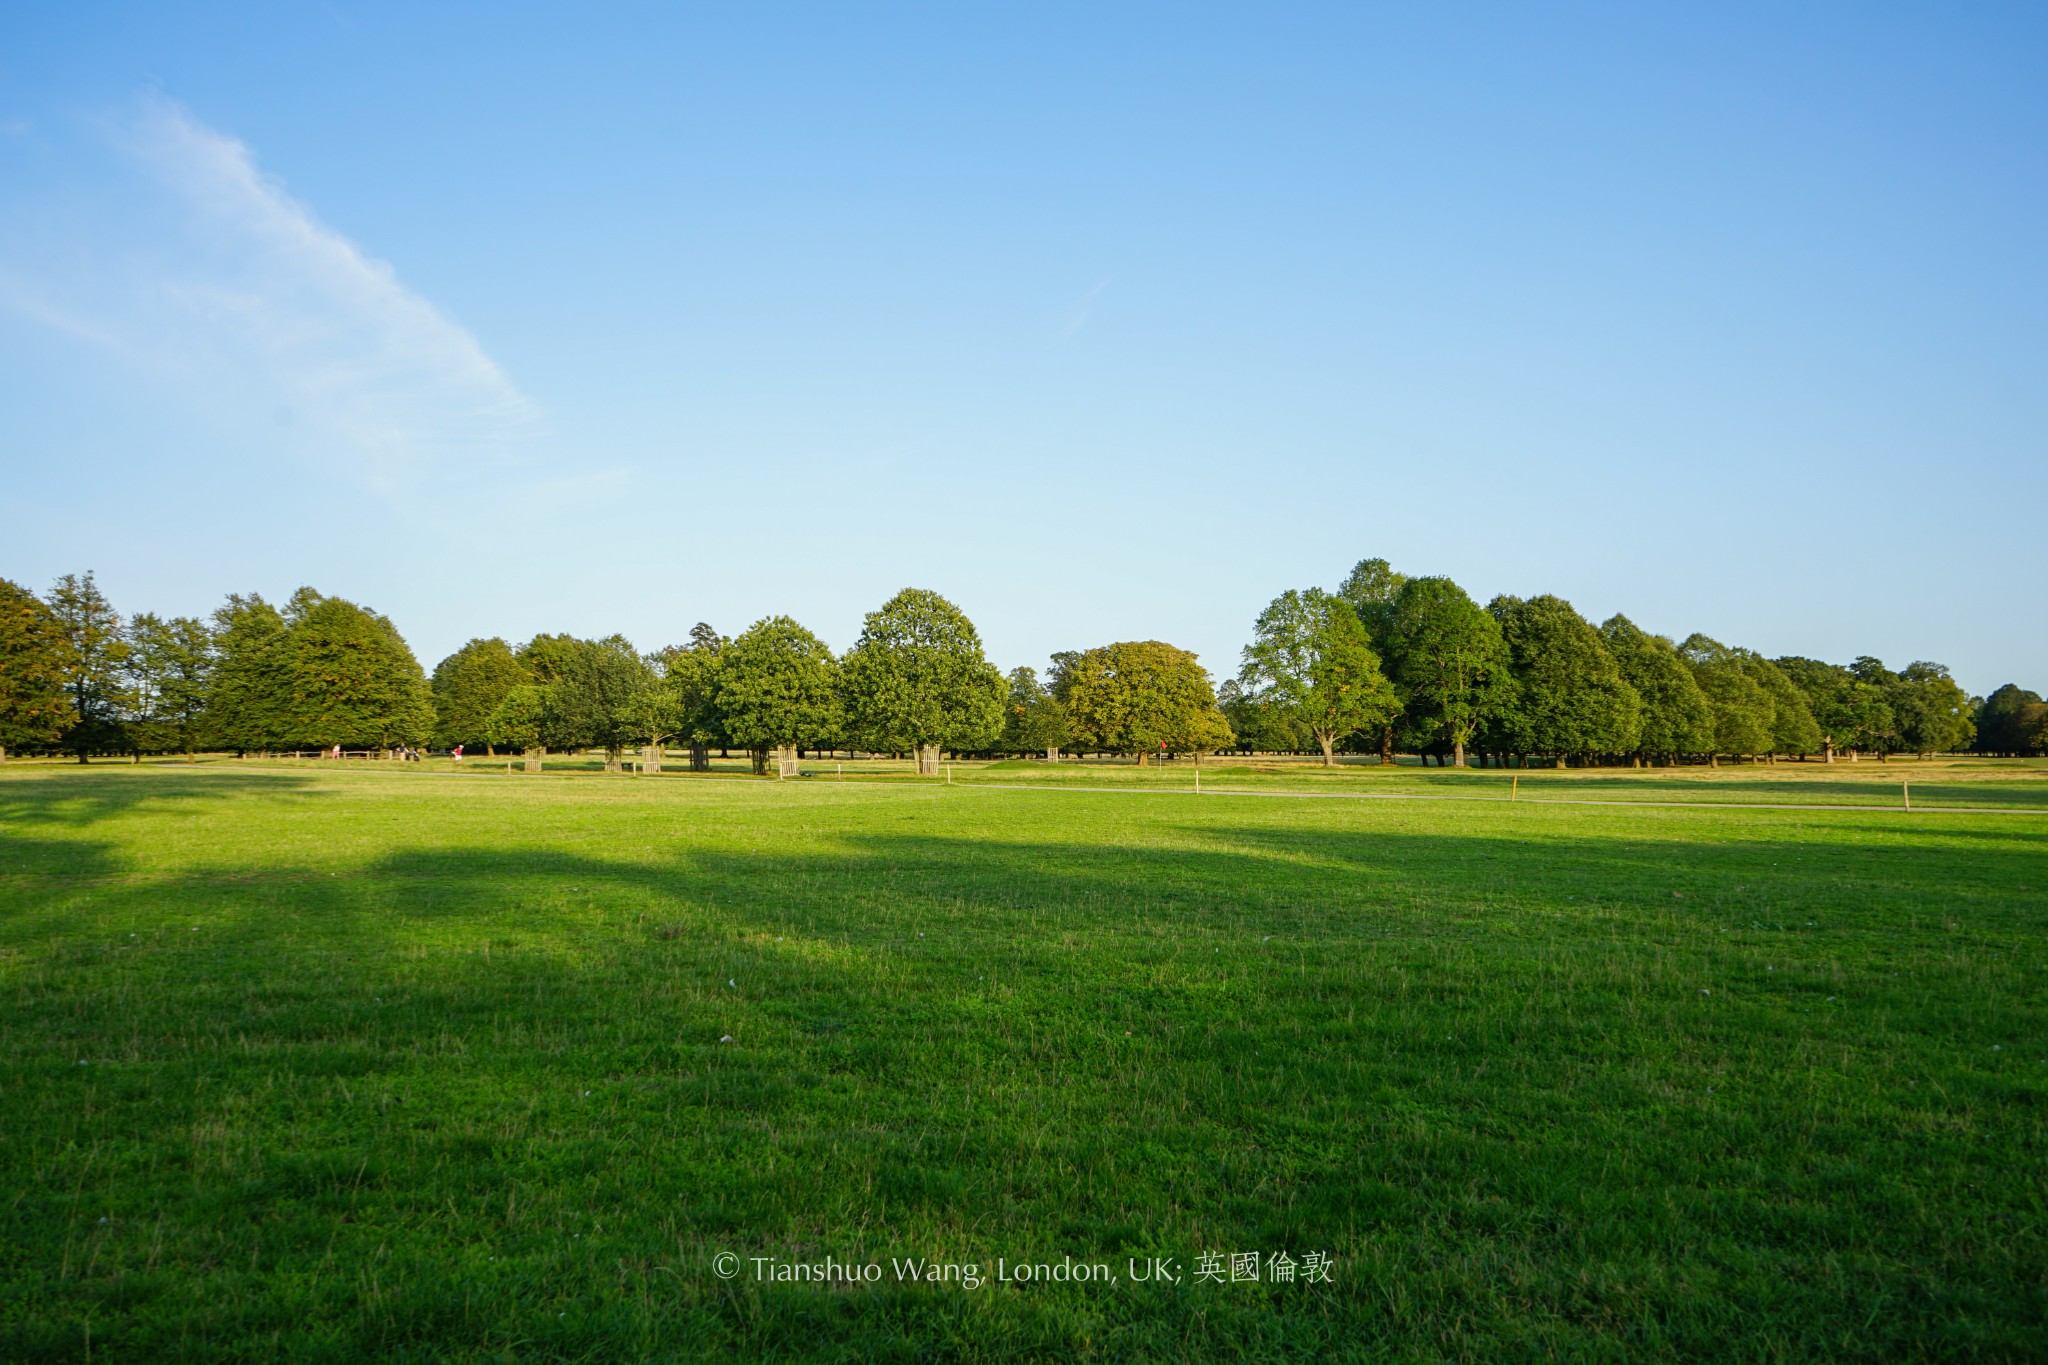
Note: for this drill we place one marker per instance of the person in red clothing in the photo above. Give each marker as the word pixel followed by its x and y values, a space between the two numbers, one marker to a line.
pixel 458 753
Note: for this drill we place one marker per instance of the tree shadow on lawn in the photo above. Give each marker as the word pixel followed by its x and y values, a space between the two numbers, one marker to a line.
pixel 78 798
pixel 497 1076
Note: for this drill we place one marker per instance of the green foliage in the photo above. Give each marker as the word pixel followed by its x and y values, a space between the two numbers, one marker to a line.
pixel 1793 727
pixel 1934 714
pixel 170 673
pixel 241 708
pixel 606 695
pixel 1260 721
pixel 1372 588
pixel 1447 658
pixel 35 708
pixel 690 676
pixel 1140 696
pixel 1565 694
pixel 1033 719
pixel 468 685
pixel 779 685
pixel 341 674
pixel 1311 662
pixel 2032 728
pixel 1743 712
pixel 548 658
pixel 92 654
pixel 1677 718
pixel 917 677
pixel 1849 711
pixel 521 720
pixel 2002 721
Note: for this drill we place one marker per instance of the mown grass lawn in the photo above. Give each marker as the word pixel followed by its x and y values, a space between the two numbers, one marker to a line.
pixel 389 1062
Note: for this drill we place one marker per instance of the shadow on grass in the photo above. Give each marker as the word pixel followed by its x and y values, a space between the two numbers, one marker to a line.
pixel 473 1102
pixel 86 796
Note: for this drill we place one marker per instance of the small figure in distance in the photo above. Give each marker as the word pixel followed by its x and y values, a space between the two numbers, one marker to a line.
pixel 458 753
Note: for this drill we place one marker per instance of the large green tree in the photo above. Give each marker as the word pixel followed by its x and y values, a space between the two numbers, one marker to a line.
pixel 917 679
pixel 689 674
pixel 1849 711
pixel 1143 697
pixel 1743 713
pixel 2002 720
pixel 522 723
pixel 1448 659
pixel 1677 718
pixel 242 706
pixel 341 674
pixel 778 686
pixel 1934 714
pixel 1034 722
pixel 1372 587
pixel 170 671
pixel 1564 695
pixel 1310 657
pixel 1793 727
pixel 35 708
pixel 468 685
pixel 93 655
pixel 608 696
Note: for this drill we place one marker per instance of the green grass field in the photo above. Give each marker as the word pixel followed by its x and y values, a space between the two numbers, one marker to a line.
pixel 369 1061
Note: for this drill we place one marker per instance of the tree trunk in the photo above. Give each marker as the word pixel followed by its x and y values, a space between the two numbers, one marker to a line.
pixel 1329 742
pixel 1142 756
pixel 1458 754
pixel 700 758
pixel 650 757
pixel 1387 745
pixel 1052 753
pixel 533 758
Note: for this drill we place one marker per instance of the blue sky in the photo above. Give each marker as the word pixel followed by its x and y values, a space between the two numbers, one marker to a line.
pixel 1108 322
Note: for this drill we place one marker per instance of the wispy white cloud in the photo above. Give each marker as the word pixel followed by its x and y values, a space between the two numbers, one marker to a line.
pixel 236 290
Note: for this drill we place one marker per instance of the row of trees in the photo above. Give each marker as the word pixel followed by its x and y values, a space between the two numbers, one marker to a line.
pixel 1387 661
pixel 1383 663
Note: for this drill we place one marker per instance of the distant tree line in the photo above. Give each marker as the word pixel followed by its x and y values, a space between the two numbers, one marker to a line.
pixel 1383 664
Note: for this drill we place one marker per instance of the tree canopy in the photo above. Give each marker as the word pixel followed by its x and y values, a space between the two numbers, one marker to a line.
pixel 1564 693
pixel 1793 728
pixel 605 694
pixel 778 685
pixel 1677 718
pixel 917 678
pixel 92 653
pixel 1743 712
pixel 468 685
pixel 341 674
pixel 1448 660
pixel 170 670
pixel 690 677
pixel 1034 722
pixel 1140 697
pixel 1310 659
pixel 35 708
pixel 2003 720
pixel 520 720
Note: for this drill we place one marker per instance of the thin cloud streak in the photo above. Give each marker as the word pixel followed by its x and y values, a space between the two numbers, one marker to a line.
pixel 247 302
